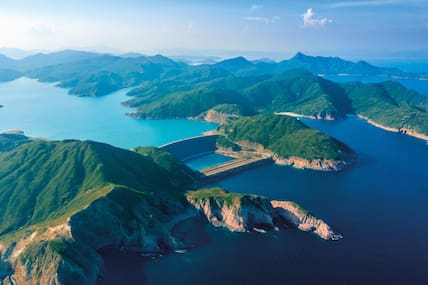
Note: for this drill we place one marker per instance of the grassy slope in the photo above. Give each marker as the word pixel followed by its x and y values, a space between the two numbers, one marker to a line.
pixel 179 173
pixel 287 137
pixel 41 181
pixel 300 92
pixel 10 141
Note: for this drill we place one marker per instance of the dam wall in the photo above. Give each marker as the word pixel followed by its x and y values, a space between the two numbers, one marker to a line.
pixel 191 147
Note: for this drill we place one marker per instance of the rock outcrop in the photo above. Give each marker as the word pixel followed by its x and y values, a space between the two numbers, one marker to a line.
pixel 314 164
pixel 239 212
pixel 216 117
pixel 69 251
pixel 292 213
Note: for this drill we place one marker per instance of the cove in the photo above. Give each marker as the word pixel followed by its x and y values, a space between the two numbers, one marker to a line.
pixel 45 111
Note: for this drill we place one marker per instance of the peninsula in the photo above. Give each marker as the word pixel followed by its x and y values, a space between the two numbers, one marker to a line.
pixel 94 196
pixel 287 140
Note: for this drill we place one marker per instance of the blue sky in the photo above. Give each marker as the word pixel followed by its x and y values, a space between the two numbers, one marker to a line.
pixel 253 28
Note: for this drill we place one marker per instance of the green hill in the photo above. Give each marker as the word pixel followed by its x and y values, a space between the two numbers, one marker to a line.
pixel 300 92
pixel 10 141
pixel 62 201
pixel 287 137
pixel 44 180
pixel 188 104
pixel 390 104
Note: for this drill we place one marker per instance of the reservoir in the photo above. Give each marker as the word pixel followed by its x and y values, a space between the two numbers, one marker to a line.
pixel 379 205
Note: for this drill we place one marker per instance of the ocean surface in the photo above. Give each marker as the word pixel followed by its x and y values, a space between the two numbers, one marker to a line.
pixel 43 110
pixel 379 205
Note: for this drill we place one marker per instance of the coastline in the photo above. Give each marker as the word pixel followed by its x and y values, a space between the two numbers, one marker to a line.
pixel 257 150
pixel 403 131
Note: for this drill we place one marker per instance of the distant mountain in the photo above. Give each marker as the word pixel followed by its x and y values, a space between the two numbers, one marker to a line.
pixel 60 57
pixel 336 65
pixel 16 53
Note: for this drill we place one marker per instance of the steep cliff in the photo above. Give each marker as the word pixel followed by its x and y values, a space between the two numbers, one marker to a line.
pixel 242 212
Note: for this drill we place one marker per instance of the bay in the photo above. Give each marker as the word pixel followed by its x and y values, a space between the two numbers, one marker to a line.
pixel 45 111
pixel 378 205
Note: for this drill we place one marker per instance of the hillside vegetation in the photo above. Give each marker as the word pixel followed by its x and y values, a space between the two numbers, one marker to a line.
pixel 390 104
pixel 287 137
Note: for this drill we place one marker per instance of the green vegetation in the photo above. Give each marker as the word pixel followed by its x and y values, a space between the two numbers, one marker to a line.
pixel 229 198
pixel 224 142
pixel 390 104
pixel 287 137
pixel 9 141
pixel 188 104
pixel 231 109
pixel 179 173
pixel 300 92
pixel 44 181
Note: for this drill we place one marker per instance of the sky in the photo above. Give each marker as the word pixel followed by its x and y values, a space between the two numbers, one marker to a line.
pixel 272 29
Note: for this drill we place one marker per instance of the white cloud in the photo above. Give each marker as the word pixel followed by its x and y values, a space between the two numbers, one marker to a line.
pixel 266 20
pixel 256 7
pixel 310 21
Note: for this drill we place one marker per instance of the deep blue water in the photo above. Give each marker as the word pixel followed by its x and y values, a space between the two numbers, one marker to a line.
pixel 207 160
pixel 379 206
pixel 42 110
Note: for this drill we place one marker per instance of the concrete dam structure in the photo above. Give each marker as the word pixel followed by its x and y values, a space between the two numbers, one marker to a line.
pixel 190 148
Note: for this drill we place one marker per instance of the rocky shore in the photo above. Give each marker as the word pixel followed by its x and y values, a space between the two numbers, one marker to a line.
pixel 403 131
pixel 242 213
pixel 252 149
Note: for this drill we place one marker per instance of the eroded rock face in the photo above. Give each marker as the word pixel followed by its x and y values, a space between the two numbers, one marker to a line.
pixel 122 220
pixel 249 212
pixel 242 215
pixel 314 164
pixel 291 212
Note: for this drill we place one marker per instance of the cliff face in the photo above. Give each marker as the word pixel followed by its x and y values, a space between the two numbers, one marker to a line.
pixel 68 253
pixel 294 214
pixel 314 164
pixel 241 213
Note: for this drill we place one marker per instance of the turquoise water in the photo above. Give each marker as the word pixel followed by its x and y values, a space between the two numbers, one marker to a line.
pixel 43 110
pixel 208 160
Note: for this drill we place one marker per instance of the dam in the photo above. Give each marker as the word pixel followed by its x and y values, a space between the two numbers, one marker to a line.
pixel 187 149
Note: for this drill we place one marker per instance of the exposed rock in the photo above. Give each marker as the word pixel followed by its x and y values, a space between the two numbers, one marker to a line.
pixel 314 164
pixel 216 117
pixel 70 251
pixel 291 212
pixel 238 212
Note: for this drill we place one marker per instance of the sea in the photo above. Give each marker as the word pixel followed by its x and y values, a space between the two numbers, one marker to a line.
pixel 378 205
